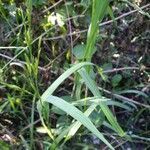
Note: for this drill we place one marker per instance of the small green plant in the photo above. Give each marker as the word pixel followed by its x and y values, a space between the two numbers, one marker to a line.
pixel 83 101
pixel 98 10
pixel 81 117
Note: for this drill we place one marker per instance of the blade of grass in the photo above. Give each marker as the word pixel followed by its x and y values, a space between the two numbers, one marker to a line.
pixel 42 106
pixel 110 11
pixel 99 8
pixel 64 76
pixel 77 124
pixel 139 93
pixel 71 130
pixel 93 100
pixel 94 89
pixel 76 114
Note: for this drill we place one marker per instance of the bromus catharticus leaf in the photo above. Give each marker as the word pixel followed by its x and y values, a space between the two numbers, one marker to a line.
pixel 99 8
pixel 94 89
pixel 76 114
pixel 67 107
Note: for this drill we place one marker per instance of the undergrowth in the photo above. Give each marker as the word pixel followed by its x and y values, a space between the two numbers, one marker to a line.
pixel 73 75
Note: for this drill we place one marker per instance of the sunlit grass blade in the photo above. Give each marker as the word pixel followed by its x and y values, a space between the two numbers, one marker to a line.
pixel 93 105
pixel 94 100
pixel 42 106
pixel 64 76
pixel 94 89
pixel 99 9
pixel 76 114
pixel 78 124
pixel 71 130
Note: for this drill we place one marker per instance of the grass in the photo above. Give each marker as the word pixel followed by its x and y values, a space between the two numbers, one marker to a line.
pixel 58 104
pixel 99 8
pixel 96 15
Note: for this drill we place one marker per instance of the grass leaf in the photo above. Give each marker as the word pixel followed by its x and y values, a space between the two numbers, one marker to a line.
pixel 99 8
pixel 64 76
pixel 76 114
pixel 94 89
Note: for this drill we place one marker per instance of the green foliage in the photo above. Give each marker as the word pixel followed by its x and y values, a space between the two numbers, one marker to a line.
pixel 76 114
pixel 73 111
pixel 116 80
pixel 44 49
pixel 79 51
pixel 4 146
pixel 98 11
pixel 92 86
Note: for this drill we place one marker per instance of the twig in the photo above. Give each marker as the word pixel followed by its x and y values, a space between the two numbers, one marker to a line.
pixel 44 68
pixel 70 31
pixel 135 6
pixel 19 26
pixel 15 57
pixel 31 124
pixel 101 24
pixel 49 8
pixel 12 47
pixel 43 34
pixel 13 138
pixel 16 60
pixel 121 69
pixel 15 29
pixel 124 98
pixel 124 15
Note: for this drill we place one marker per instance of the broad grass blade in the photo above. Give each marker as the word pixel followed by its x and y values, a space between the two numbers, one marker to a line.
pixel 76 114
pixel 94 89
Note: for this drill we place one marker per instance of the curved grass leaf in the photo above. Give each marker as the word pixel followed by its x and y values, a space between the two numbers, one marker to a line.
pixel 72 129
pixel 99 9
pixel 42 106
pixel 64 76
pixel 139 93
pixel 94 89
pixel 77 124
pixel 97 101
pixel 76 114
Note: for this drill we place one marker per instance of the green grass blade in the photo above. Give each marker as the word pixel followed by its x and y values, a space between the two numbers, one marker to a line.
pixel 42 106
pixel 99 8
pixel 71 130
pixel 64 76
pixel 139 93
pixel 94 89
pixel 76 114
pixel 94 100
pixel 78 124
pixel 110 12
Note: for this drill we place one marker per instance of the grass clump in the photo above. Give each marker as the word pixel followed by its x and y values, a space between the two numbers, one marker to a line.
pixel 68 77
